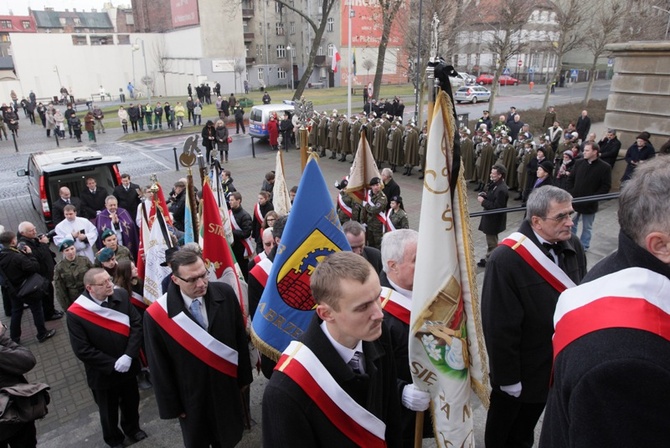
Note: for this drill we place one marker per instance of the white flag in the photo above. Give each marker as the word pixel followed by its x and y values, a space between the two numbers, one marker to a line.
pixel 155 255
pixel 280 197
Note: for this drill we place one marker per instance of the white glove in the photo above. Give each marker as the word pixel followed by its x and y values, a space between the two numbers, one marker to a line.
pixel 122 364
pixel 513 390
pixel 414 398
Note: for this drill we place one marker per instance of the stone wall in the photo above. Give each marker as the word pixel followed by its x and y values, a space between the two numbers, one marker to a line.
pixel 639 95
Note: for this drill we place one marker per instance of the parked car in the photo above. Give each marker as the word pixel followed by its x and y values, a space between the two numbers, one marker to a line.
pixel 472 94
pixel 505 80
pixel 462 79
pixel 48 171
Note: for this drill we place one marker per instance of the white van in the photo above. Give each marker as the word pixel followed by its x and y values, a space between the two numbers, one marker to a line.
pixel 260 115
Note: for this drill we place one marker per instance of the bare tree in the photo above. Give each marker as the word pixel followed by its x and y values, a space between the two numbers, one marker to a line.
pixel 504 26
pixel 389 9
pixel 647 23
pixel 240 67
pixel 162 60
pixel 571 33
pixel 319 28
pixel 605 28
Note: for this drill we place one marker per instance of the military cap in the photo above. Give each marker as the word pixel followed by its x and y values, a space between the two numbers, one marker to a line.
pixel 105 254
pixel 106 234
pixel 65 244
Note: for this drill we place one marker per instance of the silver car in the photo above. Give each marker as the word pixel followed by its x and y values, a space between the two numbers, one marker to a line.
pixel 472 94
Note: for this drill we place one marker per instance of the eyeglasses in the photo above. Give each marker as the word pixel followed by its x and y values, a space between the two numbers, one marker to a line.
pixel 108 281
pixel 267 244
pixel 202 277
pixel 562 217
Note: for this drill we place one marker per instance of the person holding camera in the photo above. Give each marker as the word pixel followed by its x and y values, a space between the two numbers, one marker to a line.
pixel 17 263
pixel 495 196
pixel 39 245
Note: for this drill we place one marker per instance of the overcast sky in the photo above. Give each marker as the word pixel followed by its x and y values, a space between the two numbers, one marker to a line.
pixel 20 7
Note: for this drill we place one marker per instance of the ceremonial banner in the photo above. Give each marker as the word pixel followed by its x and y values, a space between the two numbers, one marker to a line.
pixel 446 344
pixel 363 169
pixel 312 233
pixel 189 232
pixel 155 255
pixel 159 201
pixel 144 239
pixel 220 197
pixel 280 197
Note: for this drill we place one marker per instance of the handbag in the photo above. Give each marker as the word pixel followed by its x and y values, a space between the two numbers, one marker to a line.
pixel 34 283
pixel 230 139
pixel 23 403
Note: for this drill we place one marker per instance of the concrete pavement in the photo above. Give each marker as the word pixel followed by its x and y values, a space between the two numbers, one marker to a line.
pixel 73 417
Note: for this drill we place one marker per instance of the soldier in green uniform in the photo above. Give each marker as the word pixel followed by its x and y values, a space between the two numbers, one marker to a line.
pixel 343 138
pixel 332 134
pixel 355 135
pixel 322 135
pixel 374 206
pixel 347 208
pixel 69 274
pixel 397 215
pixel 110 240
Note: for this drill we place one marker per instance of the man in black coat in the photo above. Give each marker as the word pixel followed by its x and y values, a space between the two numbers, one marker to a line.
pixel 106 334
pixel 589 176
pixel 524 277
pixel 397 280
pixel 583 125
pixel 348 345
pixel 355 233
pixel 391 187
pixel 494 197
pixel 92 199
pixel 39 245
pixel 128 194
pixel 611 374
pixel 198 353
pixel 178 205
pixel 133 115
pixel 57 214
pixel 242 226
pixel 609 147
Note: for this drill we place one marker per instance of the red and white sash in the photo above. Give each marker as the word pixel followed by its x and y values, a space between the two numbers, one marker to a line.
pixel 381 217
pixel 261 271
pixel 106 318
pixel 194 339
pixel 248 243
pixel 344 207
pixel 633 298
pixel 396 304
pixel 257 213
pixel 138 301
pixel 389 224
pixel 300 364
pixel 259 257
pixel 537 260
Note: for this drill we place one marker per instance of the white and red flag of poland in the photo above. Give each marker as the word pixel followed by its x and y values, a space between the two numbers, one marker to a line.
pixel 336 59
pixel 446 346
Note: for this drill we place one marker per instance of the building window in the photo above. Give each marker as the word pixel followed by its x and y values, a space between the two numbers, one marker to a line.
pixel 26 24
pixel 4 37
pixel 130 19
pixel 281 52
pixel 77 21
pixel 330 25
pixel 319 52
pixel 124 39
pixel 259 50
pixel 261 74
pixel 7 24
pixel 331 48
pixel 102 40
pixel 62 21
pixel 278 7
pixel 281 73
pixel 279 27
pixel 292 27
pixel 79 40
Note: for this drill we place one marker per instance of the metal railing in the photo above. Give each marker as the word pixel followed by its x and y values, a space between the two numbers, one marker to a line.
pixel 595 197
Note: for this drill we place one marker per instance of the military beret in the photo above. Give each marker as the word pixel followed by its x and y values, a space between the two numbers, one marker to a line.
pixel 107 233
pixel 105 254
pixel 65 244
pixel 375 181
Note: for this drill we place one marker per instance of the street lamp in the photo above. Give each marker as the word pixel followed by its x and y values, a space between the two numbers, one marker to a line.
pixel 667 28
pixel 290 51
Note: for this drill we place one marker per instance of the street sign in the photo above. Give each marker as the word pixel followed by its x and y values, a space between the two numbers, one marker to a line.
pixel 506 71
pixel 531 70
pixel 574 73
pixel 520 62
pixel 610 62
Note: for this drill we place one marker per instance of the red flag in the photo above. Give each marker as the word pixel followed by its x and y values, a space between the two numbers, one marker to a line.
pixel 144 234
pixel 159 199
pixel 336 59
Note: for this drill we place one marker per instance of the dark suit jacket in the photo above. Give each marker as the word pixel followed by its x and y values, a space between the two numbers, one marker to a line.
pixel 391 189
pixel 185 384
pixel 99 348
pixel 517 316
pixel 292 419
pixel 128 200
pixel 92 203
pixel 496 197
pixel 57 214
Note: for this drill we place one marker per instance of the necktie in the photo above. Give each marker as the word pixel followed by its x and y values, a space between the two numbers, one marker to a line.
pixel 196 311
pixel 355 363
pixel 105 304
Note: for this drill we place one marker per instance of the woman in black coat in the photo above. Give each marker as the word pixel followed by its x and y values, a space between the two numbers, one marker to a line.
pixel 208 138
pixel 222 140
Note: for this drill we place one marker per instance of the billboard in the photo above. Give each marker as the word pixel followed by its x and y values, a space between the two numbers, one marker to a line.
pixel 367 24
pixel 184 13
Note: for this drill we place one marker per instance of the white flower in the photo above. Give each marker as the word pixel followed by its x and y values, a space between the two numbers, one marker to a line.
pixel 430 344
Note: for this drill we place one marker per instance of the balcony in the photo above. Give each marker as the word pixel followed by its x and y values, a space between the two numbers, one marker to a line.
pixel 319 60
pixel 251 61
pixel 247 13
pixel 248 37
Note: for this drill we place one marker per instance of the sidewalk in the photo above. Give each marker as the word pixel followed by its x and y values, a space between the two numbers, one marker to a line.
pixel 73 417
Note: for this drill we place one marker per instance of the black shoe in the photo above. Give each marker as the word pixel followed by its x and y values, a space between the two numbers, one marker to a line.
pixel 482 263
pixel 55 316
pixel 47 335
pixel 139 435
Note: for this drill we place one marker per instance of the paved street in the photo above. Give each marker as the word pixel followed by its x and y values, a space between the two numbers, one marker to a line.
pixel 73 418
